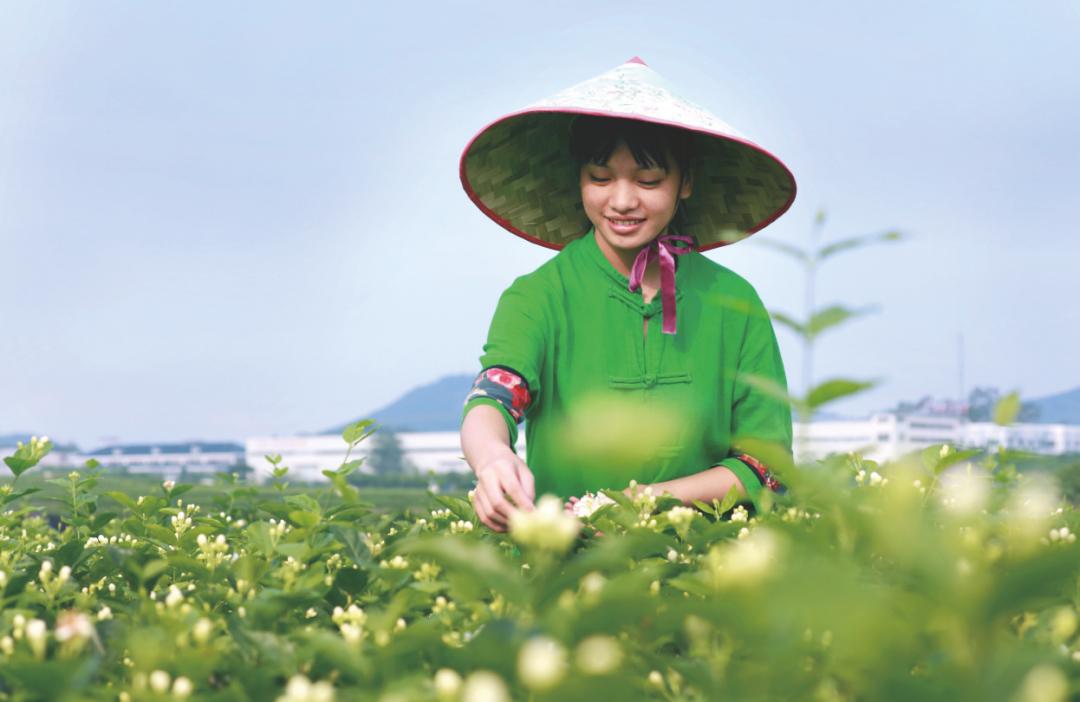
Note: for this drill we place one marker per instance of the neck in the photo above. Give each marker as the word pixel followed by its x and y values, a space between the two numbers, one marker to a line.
pixel 622 260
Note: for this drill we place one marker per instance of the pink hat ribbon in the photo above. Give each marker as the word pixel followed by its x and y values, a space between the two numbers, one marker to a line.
pixel 663 247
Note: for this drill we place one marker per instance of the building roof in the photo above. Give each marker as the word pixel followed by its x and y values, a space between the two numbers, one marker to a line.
pixel 165 449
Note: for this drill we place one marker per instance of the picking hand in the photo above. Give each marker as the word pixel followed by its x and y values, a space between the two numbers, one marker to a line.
pixel 502 478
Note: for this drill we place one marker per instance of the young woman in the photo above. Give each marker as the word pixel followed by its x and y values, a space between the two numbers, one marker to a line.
pixel 628 352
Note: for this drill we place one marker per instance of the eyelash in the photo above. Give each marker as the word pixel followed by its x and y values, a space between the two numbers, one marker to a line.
pixel 646 183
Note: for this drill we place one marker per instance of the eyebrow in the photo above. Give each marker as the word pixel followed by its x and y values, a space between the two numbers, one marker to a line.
pixel 639 167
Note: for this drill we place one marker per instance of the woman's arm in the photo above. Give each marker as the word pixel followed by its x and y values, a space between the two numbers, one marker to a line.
pixel 485 441
pixel 708 485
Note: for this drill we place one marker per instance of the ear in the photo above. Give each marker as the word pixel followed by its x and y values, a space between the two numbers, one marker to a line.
pixel 686 189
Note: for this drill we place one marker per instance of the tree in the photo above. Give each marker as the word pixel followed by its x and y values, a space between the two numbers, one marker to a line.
pixel 983 400
pixel 386 456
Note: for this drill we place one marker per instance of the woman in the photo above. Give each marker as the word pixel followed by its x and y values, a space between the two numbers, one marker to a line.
pixel 628 352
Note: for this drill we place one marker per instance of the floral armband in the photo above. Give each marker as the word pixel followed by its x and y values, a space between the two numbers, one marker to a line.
pixel 761 472
pixel 505 386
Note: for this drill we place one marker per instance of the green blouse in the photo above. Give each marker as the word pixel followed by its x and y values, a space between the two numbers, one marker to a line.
pixel 599 370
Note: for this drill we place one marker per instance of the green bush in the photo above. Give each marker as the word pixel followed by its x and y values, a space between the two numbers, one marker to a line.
pixel 944 576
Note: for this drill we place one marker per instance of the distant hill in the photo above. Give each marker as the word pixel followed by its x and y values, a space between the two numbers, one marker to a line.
pixel 437 407
pixel 1063 408
pixel 432 407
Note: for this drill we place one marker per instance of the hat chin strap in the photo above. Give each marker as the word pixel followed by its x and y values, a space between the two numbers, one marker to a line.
pixel 667 249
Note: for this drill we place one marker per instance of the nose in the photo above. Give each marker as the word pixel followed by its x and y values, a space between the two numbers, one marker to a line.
pixel 624 196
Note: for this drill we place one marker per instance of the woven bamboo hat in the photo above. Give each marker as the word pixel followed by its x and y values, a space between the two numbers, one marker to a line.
pixel 519 170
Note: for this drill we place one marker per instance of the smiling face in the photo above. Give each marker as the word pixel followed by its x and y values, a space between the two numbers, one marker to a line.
pixel 630 203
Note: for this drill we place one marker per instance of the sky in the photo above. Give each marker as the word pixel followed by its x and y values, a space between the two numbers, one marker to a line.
pixel 222 220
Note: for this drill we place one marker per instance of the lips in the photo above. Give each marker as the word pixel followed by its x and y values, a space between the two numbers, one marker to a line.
pixel 624 225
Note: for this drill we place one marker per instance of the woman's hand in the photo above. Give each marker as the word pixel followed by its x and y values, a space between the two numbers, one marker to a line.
pixel 501 478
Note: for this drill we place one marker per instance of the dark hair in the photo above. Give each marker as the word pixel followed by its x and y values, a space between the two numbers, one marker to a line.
pixel 593 139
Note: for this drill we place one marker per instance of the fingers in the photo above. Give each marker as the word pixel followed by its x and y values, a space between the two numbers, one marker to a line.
pixel 525 477
pixel 484 511
pixel 493 490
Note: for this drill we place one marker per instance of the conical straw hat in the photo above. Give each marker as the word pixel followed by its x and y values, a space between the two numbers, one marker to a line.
pixel 519 170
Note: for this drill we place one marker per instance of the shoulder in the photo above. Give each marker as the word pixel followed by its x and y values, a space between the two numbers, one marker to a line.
pixel 548 279
pixel 713 278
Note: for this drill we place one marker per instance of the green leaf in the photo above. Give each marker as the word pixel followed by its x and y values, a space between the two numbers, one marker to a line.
pixel 831 390
pixel 1007 409
pixel 477 561
pixel 27 456
pixel 258 534
pixel 730 499
pixel 352 581
pixel 706 508
pixel 305 519
pixel 124 499
pixel 353 544
pixel 782 247
pixel 790 323
pixel 856 242
pixel 11 497
pixel 358 431
pixel 832 316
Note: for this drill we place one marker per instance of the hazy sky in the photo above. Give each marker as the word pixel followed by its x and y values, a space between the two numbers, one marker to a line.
pixel 220 220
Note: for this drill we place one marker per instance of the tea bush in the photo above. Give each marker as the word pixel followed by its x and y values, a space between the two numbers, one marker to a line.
pixel 946 575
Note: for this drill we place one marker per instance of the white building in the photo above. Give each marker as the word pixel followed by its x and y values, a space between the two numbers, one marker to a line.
pixel 887 436
pixel 170 461
pixel 881 437
pixel 307 456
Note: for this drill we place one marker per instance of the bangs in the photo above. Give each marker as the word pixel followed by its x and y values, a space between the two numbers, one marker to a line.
pixel 593 139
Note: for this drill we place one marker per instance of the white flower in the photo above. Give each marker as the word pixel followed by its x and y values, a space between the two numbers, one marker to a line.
pixel 447 684
pixel 36 631
pixel 745 561
pixel 73 626
pixel 598 655
pixel 461 526
pixel 1029 510
pixel 964 489
pixel 593 583
pixel 202 630
pixel 1043 683
pixel 680 517
pixel 484 686
pixel 169 484
pixel 352 633
pixel 548 527
pixel 541 663
pixel 589 503
pixel 739 514
pixel 159 681
pixel 655 678
pixel 182 688
pixel 174 598
pixel 300 689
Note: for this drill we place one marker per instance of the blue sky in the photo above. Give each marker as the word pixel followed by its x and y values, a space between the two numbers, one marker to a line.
pixel 221 220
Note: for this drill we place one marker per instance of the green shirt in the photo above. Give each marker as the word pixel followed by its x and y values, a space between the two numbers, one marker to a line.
pixel 613 401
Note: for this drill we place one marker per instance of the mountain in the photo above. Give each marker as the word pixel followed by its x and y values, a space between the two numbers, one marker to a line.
pixel 437 407
pixel 432 407
pixel 1063 408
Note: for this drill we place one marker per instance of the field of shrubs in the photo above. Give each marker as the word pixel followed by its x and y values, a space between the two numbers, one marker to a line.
pixel 947 575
